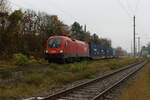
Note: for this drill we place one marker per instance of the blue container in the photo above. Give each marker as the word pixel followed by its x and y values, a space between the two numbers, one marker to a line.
pixel 97 50
pixel 109 52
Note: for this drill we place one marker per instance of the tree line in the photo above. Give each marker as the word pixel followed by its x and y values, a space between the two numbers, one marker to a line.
pixel 26 31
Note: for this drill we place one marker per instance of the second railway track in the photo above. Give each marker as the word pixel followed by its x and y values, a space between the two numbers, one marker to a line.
pixel 96 88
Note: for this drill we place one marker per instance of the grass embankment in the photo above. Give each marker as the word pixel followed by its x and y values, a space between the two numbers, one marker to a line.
pixel 31 80
pixel 138 89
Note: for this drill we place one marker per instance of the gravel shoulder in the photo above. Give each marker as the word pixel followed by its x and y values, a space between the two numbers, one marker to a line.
pixel 138 88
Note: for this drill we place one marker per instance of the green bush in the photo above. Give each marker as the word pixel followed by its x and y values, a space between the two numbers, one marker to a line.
pixel 21 59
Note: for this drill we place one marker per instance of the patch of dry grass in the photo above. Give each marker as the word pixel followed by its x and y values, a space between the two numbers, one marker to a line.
pixel 6 64
pixel 42 78
pixel 139 89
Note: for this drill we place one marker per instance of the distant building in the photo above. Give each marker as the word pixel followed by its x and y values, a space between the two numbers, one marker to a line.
pixel 145 52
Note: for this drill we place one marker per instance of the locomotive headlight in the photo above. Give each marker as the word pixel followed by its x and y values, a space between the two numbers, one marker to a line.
pixel 61 51
pixel 46 51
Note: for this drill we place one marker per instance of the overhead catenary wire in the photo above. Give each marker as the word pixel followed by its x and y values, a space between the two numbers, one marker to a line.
pixel 137 7
pixel 131 9
pixel 124 8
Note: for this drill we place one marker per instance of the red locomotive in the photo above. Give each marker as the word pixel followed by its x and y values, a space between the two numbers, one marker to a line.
pixel 62 48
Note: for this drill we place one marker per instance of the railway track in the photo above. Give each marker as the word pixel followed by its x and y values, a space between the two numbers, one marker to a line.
pixel 96 88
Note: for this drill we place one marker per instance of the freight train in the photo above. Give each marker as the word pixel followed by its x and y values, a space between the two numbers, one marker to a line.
pixel 66 49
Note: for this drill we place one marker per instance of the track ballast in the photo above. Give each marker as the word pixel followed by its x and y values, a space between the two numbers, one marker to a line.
pixel 97 88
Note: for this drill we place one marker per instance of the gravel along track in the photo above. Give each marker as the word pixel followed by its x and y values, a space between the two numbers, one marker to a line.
pixel 96 88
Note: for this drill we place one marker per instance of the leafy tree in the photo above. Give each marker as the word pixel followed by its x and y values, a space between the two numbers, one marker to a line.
pixel 87 36
pixel 56 26
pixel 148 47
pixel 11 37
pixel 105 42
pixel 76 30
pixel 95 38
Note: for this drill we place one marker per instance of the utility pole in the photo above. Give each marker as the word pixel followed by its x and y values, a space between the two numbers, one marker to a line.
pixel 134 40
pixel 139 45
pixel 131 49
pixel 84 28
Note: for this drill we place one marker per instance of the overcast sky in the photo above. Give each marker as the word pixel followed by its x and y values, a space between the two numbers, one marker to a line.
pixel 108 18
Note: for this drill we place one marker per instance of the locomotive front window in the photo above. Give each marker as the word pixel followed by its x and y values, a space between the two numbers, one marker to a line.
pixel 54 43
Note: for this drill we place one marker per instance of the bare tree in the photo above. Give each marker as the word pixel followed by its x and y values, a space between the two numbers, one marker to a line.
pixel 1 2
pixel 4 6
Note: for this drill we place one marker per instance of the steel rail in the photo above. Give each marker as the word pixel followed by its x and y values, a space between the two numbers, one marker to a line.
pixel 117 83
pixel 60 94
pixel 67 91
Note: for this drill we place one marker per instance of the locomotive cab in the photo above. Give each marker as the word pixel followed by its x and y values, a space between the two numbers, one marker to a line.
pixel 54 49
